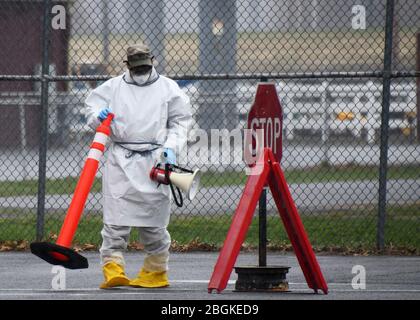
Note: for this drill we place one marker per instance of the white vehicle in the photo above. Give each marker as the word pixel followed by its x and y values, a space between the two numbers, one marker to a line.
pixel 326 108
pixel 353 108
pixel 240 100
pixel 350 106
pixel 303 108
pixel 402 109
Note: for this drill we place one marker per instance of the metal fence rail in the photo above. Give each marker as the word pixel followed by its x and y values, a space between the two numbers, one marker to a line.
pixel 347 74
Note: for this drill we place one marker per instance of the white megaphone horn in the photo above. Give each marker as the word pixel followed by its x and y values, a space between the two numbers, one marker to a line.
pixel 188 181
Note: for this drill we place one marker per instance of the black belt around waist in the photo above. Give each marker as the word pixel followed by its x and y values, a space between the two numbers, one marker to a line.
pixel 132 152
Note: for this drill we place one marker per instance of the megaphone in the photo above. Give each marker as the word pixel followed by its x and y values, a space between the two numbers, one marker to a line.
pixel 187 180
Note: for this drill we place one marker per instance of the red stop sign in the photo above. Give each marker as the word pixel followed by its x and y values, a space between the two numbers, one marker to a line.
pixel 266 114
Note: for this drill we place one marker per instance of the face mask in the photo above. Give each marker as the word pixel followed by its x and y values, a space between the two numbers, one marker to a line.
pixel 141 79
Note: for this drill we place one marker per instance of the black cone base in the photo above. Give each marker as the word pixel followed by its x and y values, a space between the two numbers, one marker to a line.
pixel 45 251
pixel 270 278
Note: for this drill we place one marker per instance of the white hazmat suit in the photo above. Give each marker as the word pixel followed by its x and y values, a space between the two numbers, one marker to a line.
pixel 147 119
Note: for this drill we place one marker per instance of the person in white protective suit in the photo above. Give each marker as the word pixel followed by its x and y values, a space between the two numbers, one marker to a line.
pixel 151 121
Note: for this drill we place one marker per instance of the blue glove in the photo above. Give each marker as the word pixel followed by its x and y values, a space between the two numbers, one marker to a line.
pixel 103 114
pixel 168 156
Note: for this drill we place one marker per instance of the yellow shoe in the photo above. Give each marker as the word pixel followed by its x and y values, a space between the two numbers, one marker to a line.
pixel 114 276
pixel 148 279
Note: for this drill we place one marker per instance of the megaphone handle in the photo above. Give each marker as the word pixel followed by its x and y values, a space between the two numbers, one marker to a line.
pixel 181 201
pixel 168 167
pixel 182 169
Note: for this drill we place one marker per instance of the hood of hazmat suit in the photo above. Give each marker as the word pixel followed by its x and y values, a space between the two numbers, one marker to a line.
pixel 147 119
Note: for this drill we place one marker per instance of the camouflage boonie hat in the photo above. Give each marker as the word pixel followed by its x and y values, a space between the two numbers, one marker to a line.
pixel 139 55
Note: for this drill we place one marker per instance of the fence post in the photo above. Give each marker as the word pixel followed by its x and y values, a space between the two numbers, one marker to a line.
pixel 262 227
pixel 217 55
pixel 262 223
pixel 418 84
pixel 43 138
pixel 154 29
pixel 383 160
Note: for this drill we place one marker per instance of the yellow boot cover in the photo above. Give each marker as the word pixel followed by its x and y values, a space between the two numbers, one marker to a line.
pixel 114 276
pixel 148 279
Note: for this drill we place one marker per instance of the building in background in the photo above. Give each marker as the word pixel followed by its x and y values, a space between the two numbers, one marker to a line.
pixel 21 22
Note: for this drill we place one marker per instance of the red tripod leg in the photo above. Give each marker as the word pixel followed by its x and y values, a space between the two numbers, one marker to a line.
pixel 239 227
pixel 295 228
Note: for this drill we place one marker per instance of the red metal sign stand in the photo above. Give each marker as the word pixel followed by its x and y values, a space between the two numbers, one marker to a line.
pixel 272 173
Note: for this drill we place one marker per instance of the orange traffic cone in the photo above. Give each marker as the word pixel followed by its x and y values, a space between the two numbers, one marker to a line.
pixel 60 253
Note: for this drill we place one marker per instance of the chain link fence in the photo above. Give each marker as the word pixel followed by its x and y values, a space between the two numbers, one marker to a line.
pixel 347 75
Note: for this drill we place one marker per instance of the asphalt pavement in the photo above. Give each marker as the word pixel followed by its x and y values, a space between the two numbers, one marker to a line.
pixel 25 276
